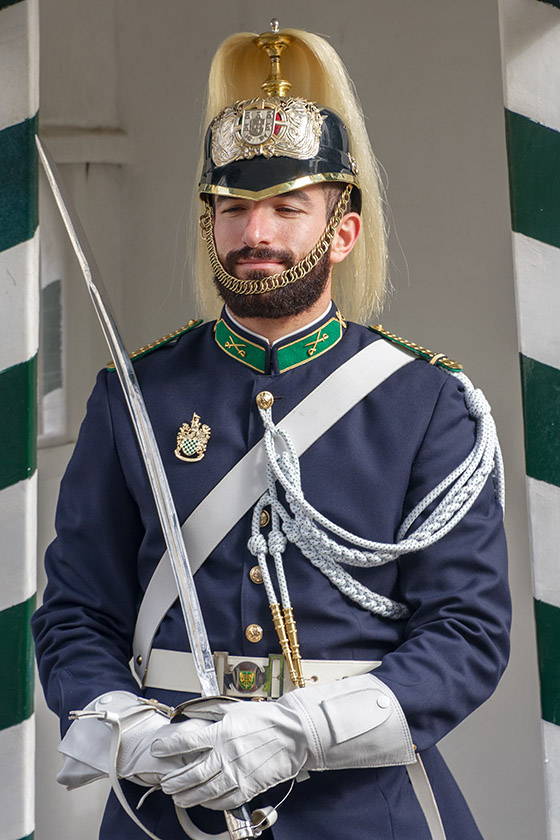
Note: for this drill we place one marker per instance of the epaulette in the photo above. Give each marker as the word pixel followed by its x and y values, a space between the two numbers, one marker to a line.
pixel 143 351
pixel 439 359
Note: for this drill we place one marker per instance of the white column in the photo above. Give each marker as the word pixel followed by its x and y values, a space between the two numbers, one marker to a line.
pixel 530 34
pixel 19 320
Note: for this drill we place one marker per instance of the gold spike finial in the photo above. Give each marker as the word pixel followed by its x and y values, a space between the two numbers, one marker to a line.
pixel 274 43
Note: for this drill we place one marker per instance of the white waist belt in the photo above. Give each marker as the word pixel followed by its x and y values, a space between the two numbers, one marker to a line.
pixel 245 676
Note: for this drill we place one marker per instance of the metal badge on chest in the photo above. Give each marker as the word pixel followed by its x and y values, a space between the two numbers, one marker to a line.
pixel 192 440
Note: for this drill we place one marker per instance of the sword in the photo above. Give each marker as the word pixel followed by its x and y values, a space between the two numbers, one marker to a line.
pixel 238 821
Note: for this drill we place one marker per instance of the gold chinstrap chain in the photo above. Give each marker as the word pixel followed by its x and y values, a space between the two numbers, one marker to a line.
pixel 273 281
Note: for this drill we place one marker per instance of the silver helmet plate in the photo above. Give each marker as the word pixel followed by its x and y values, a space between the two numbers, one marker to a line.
pixel 281 126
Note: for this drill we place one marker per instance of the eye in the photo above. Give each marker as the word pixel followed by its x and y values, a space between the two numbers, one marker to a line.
pixel 288 209
pixel 232 208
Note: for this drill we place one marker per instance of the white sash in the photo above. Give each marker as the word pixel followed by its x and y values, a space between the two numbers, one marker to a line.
pixel 243 485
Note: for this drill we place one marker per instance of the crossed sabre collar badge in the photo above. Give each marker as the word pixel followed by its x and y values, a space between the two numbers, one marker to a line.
pixel 192 440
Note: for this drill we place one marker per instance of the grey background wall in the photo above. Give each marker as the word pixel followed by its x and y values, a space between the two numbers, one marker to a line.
pixel 122 85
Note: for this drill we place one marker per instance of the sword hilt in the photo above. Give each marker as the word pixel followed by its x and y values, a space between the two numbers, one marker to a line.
pixel 239 824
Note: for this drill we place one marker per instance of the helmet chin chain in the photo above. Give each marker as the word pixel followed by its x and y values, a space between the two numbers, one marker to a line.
pixel 284 278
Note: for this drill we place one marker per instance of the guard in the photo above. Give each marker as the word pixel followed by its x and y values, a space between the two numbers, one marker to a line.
pixel 340 491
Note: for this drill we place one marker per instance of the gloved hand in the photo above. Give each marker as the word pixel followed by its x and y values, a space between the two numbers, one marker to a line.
pixel 355 722
pixel 117 727
pixel 135 761
pixel 253 747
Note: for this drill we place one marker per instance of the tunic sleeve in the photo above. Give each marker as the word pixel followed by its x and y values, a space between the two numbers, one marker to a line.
pixel 83 630
pixel 457 638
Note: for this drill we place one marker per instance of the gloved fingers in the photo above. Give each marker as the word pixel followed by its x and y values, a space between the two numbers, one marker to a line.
pixel 223 792
pixel 200 796
pixel 190 736
pixel 135 759
pixel 147 765
pixel 233 799
pixel 241 725
pixel 207 769
pixel 134 754
pixel 190 793
pixel 149 770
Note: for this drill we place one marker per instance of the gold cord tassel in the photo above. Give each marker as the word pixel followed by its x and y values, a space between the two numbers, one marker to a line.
pixel 291 630
pixel 284 642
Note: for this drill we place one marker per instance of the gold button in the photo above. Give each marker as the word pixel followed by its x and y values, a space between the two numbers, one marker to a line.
pixel 265 399
pixel 256 575
pixel 265 518
pixel 254 633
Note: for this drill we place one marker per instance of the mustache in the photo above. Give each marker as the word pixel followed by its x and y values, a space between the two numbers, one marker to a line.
pixel 260 254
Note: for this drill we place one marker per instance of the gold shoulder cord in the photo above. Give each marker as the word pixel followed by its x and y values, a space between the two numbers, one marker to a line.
pixel 433 358
pixel 143 351
pixel 273 281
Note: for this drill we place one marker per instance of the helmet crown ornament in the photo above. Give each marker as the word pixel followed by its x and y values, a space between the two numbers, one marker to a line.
pixel 274 43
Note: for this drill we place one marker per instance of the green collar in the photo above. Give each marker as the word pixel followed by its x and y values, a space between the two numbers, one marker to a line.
pixel 247 349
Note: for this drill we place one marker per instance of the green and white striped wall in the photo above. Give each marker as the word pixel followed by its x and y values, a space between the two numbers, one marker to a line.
pixel 19 328
pixel 530 32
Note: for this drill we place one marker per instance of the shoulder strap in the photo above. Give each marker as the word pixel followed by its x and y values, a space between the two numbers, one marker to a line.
pixel 238 491
pixel 439 359
pixel 161 342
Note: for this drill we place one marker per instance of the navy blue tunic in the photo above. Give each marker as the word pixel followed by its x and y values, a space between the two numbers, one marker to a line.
pixel 366 473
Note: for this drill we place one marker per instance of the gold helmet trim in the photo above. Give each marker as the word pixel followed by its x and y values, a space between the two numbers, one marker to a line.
pixel 278 189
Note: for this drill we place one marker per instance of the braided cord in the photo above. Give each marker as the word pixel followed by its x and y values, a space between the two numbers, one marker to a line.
pixel 272 281
pixel 463 487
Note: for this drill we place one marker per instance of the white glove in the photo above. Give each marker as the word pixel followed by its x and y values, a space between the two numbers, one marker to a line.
pixel 90 743
pixel 356 722
pixel 253 747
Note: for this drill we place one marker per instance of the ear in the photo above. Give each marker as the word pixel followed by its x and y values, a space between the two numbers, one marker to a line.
pixel 345 237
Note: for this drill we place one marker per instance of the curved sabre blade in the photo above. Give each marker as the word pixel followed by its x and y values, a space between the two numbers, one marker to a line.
pixel 238 821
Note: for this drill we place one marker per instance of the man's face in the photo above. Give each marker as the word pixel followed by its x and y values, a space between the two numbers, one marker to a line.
pixel 255 239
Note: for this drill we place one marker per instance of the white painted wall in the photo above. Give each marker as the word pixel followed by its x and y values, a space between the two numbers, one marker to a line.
pixel 128 95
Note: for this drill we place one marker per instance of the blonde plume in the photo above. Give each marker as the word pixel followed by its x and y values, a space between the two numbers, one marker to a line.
pixel 317 73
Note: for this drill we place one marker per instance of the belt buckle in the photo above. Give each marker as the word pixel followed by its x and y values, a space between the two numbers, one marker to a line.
pixel 244 678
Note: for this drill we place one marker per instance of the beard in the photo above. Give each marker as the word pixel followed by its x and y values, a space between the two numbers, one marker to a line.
pixel 279 303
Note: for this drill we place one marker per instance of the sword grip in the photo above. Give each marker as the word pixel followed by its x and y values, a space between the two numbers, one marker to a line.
pixel 239 824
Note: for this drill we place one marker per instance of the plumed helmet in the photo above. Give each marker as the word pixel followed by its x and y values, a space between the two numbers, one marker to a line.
pixel 261 143
pixel 257 148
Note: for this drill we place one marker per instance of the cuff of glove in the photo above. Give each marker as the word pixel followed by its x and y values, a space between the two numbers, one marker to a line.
pixel 86 747
pixel 351 723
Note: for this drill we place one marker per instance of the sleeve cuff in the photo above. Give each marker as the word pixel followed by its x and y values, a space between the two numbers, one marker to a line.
pixel 351 723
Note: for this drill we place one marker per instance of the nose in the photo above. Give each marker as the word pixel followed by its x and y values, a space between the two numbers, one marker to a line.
pixel 258 229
